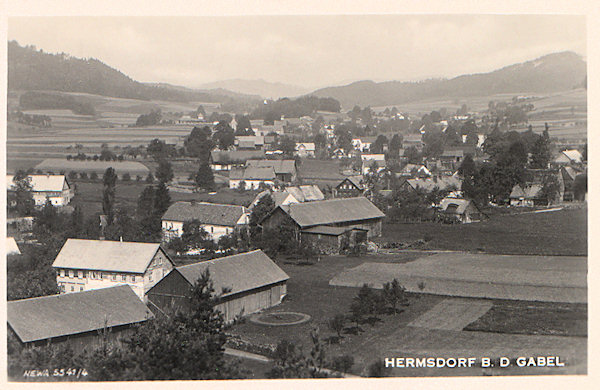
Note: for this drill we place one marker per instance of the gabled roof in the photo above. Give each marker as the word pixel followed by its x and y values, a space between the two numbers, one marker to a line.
pixel 573 155
pixel 237 273
pixel 255 139
pixel 280 166
pixel 205 213
pixel 306 193
pixel 53 316
pixel 253 173
pixel 102 255
pixel 234 156
pixel 531 191
pixel 372 157
pixel 460 205
pixel 354 180
pixel 309 146
pixel 442 183
pixel 41 183
pixel 324 212
pixel 452 153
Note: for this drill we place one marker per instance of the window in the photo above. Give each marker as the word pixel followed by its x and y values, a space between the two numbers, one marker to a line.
pixel 124 277
pixel 150 276
pixel 70 273
pixel 132 278
pixel 85 274
pixel 212 229
pixel 72 288
pixel 62 272
pixel 101 276
pixel 80 274
pixel 80 288
pixel 113 277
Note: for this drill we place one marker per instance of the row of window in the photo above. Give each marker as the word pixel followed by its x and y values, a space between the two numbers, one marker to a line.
pixel 97 275
pixel 63 288
pixel 169 226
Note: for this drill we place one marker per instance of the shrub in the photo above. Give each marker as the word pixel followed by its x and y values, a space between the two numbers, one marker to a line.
pixel 94 176
pixel 69 157
pixel 376 369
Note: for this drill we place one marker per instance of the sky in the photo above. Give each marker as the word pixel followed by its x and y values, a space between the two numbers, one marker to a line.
pixel 306 51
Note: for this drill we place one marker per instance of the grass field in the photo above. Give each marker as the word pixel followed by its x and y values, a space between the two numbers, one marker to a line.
pixel 561 232
pixel 534 318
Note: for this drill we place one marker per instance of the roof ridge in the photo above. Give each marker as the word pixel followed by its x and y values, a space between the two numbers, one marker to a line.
pixel 220 258
pixel 87 292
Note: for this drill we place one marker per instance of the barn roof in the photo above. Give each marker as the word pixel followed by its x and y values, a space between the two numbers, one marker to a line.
pixel 306 193
pixel 326 230
pixel 460 205
pixel 253 173
pixel 52 316
pixel 237 273
pixel 59 164
pixel 329 211
pixel 41 183
pixel 205 213
pixel 280 166
pixel 355 180
pixel 531 191
pixel 234 156
pixel 102 255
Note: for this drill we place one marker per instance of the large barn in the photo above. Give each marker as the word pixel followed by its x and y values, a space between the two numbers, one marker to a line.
pixel 77 319
pixel 252 282
pixel 358 213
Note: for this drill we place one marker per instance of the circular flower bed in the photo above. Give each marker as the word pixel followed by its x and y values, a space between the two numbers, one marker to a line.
pixel 280 318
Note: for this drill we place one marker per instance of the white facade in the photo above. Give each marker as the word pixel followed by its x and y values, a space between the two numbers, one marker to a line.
pixel 172 229
pixel 76 280
pixel 46 187
pixel 249 184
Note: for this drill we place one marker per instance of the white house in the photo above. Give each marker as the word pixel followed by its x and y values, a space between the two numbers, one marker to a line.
pixel 216 219
pixel 56 188
pixel 568 157
pixel 83 265
pixel 305 149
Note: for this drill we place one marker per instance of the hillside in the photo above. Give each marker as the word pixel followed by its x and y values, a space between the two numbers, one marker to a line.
pixel 260 87
pixel 30 69
pixel 551 73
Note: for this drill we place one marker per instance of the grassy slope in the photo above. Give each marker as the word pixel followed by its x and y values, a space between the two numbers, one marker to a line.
pixel 555 233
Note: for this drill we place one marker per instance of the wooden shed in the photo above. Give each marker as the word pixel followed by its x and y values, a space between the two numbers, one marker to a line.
pixel 246 283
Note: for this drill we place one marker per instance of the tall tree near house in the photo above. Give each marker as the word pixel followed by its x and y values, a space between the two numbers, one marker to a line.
pixel 109 181
pixel 162 200
pixel 22 197
pixel 550 188
pixel 287 146
pixel 164 172
pixel 264 206
pixel 540 153
pixel 204 178
pixel 396 144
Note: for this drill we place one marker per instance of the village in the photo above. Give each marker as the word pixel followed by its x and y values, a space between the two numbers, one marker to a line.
pixel 315 203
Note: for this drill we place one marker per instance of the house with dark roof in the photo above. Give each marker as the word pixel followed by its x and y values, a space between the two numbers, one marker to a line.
pixel 278 197
pixel 77 319
pixel 527 196
pixel 226 160
pixel 285 170
pixel 83 265
pixel 216 219
pixel 357 213
pixel 252 178
pixel 349 187
pixel 55 188
pixel 306 193
pixel 244 284
pixel 463 210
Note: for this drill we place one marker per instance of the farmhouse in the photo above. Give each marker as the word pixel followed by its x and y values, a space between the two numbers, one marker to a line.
pixel 246 283
pixel 76 319
pixel 285 170
pixel 528 196
pixel 305 149
pixel 59 165
pixel 349 187
pixel 249 142
pixel 357 213
pixel 442 183
pixel 278 197
pixel 83 265
pixel 412 140
pixel 451 159
pixel 227 160
pixel 55 188
pixel 464 210
pixel 252 178
pixel 216 219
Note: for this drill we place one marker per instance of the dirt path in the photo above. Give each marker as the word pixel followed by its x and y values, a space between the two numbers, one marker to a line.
pixel 452 314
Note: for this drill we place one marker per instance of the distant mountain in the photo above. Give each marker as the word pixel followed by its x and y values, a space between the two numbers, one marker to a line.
pixel 551 73
pixel 258 87
pixel 30 69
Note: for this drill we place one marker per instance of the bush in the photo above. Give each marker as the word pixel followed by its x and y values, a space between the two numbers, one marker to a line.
pixel 94 176
pixel 150 178
pixel 69 157
pixel 376 369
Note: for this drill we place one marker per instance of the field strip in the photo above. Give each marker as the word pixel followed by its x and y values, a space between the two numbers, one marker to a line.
pixel 452 314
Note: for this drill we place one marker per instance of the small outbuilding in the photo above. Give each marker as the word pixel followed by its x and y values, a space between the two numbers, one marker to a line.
pixel 464 210
pixel 244 283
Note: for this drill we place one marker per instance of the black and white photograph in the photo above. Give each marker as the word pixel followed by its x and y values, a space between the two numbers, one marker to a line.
pixel 278 195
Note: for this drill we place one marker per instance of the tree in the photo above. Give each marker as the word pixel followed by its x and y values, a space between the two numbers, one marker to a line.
pixel 150 119
pixel 162 199
pixel 22 198
pixel 287 146
pixel 378 145
pixel 394 294
pixel 550 188
pixel 396 144
pixel 337 323
pixel 150 178
pixel 109 181
pixel 243 126
pixel 289 361
pixel 199 143
pixel 541 153
pixel 264 206
pixel 204 178
pixel 164 172
pixel 224 136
